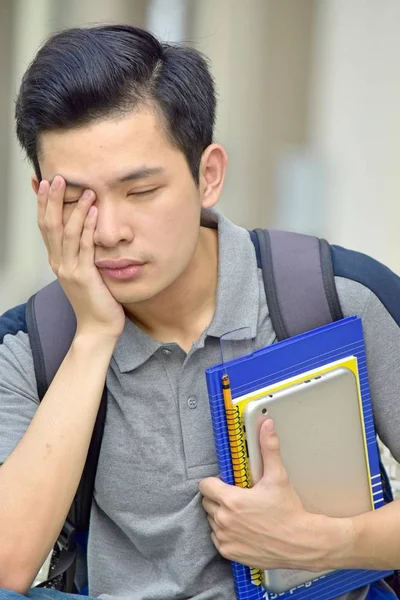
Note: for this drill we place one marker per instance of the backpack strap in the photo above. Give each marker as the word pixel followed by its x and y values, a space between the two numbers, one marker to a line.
pixel 299 281
pixel 51 327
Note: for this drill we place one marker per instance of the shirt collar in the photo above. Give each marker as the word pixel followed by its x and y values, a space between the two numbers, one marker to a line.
pixel 238 299
pixel 134 347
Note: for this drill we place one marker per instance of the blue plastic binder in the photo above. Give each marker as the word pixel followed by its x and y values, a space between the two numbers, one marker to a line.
pixel 268 366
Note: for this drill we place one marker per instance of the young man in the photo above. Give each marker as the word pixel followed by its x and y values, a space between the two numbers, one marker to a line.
pixel 119 129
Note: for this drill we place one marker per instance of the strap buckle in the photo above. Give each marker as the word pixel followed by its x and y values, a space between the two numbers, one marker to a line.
pixel 67 537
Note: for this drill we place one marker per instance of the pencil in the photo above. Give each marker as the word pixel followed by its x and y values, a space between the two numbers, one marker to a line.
pixel 236 441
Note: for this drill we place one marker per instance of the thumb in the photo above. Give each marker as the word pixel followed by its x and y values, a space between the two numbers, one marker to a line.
pixel 270 451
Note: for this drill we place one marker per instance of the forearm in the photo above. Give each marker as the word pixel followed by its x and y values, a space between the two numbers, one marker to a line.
pixel 39 479
pixel 376 539
pixel 367 541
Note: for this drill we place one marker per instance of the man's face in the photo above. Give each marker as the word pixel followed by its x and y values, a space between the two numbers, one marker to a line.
pixel 148 203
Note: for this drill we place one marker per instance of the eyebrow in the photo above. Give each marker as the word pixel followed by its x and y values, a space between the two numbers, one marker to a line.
pixel 137 174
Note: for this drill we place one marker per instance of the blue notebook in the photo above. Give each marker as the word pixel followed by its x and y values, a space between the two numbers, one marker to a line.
pixel 269 366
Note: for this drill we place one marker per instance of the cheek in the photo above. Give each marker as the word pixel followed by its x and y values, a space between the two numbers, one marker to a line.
pixel 183 236
pixel 178 224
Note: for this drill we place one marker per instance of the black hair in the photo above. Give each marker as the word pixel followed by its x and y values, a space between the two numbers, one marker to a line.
pixel 83 74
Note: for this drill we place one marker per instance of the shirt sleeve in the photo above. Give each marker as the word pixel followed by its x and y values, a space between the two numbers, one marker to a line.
pixel 382 341
pixel 18 394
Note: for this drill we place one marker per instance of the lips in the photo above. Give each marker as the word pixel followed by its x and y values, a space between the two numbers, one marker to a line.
pixel 121 263
pixel 122 269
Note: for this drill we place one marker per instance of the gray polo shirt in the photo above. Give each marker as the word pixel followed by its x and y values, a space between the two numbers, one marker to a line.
pixel 149 537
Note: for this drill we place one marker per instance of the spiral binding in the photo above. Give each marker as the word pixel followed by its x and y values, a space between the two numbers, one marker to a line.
pixel 238 448
pixel 256 576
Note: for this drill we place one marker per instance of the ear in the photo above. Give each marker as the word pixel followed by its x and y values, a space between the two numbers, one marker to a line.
pixel 212 174
pixel 35 184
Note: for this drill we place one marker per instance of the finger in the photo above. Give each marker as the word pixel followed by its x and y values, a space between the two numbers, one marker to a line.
pixel 74 228
pixel 41 208
pixel 53 220
pixel 210 506
pixel 270 450
pixel 213 525
pixel 213 488
pixel 86 250
pixel 215 541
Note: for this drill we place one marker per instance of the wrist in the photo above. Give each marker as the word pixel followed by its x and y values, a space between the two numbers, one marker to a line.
pixel 91 340
pixel 335 541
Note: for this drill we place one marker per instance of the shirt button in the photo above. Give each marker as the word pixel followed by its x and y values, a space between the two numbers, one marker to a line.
pixel 166 352
pixel 192 402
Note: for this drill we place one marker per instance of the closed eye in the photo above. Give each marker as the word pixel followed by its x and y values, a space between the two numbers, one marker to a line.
pixel 143 193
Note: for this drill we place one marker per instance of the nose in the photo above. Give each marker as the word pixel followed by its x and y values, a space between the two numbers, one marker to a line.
pixel 112 226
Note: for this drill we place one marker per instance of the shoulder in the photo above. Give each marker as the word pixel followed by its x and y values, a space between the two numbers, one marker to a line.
pixel 16 360
pixel 13 321
pixel 361 280
pixel 369 289
pixel 18 392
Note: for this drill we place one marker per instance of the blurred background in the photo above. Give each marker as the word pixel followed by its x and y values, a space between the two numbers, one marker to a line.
pixel 309 96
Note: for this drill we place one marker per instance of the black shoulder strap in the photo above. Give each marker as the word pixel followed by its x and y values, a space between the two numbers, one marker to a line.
pixel 299 281
pixel 51 327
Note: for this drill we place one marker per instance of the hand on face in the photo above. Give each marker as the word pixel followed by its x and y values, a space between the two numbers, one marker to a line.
pixel 265 526
pixel 71 250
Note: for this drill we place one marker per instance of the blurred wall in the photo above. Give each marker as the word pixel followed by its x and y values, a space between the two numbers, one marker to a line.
pixel 5 73
pixel 355 122
pixel 261 54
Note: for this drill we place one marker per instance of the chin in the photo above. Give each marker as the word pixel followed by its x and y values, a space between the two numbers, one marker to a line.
pixel 133 296
pixel 129 299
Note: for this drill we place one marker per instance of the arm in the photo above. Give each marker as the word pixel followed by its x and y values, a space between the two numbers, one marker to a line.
pixel 39 479
pixel 375 542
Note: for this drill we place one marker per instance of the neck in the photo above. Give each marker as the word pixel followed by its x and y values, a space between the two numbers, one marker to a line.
pixel 184 310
